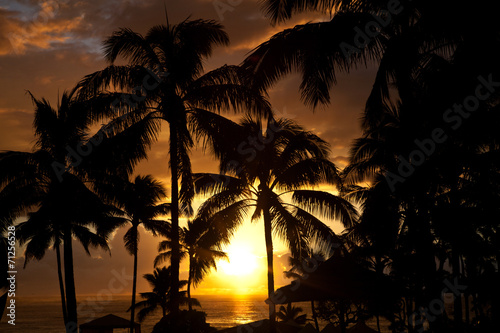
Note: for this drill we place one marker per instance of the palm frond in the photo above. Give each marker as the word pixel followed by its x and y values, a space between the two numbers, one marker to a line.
pixel 132 46
pixel 131 239
pixel 226 88
pixel 317 232
pixel 309 172
pixel 287 227
pixel 317 50
pixel 327 205
pixel 281 10
pixel 162 258
pixel 89 239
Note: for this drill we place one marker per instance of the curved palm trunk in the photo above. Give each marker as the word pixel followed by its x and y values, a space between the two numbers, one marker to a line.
pixel 61 283
pixel 69 276
pixel 270 270
pixel 175 258
pixel 134 289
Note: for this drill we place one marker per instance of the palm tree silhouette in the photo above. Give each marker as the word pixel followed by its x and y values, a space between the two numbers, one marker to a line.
pixel 168 64
pixel 140 201
pixel 267 170
pixel 433 205
pixel 46 228
pixel 57 185
pixel 291 314
pixel 201 243
pixel 161 294
pixel 397 40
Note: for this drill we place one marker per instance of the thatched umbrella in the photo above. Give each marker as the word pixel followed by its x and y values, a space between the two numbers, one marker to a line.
pixel 308 329
pixel 338 278
pixel 330 328
pixel 106 324
pixel 262 326
pixel 361 328
pixel 342 279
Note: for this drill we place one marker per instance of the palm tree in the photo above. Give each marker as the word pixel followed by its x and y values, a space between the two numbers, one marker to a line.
pixel 161 294
pixel 200 241
pixel 178 92
pixel 269 170
pixel 417 213
pixel 415 43
pixel 397 39
pixel 55 180
pixel 292 314
pixel 140 201
pixel 56 216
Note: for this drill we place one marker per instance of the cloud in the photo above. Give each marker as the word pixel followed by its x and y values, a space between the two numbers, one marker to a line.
pixel 42 32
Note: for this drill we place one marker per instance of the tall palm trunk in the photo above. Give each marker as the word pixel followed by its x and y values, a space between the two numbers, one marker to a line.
pixel 61 283
pixel 495 303
pixel 175 258
pixel 457 303
pixel 342 318
pixel 315 316
pixel 134 286
pixel 190 279
pixel 69 276
pixel 270 270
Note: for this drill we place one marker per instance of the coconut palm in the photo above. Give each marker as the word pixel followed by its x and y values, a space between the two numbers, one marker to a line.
pixel 271 170
pixel 55 182
pixel 200 242
pixel 141 202
pixel 168 64
pixel 406 217
pixel 398 40
pixel 57 215
pixel 161 295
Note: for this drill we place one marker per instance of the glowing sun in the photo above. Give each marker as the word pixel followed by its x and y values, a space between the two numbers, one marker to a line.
pixel 241 261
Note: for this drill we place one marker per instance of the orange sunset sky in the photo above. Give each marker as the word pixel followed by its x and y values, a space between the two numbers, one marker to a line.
pixel 47 46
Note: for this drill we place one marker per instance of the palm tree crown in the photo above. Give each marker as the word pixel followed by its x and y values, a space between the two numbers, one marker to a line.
pixel 201 242
pixel 161 295
pixel 140 201
pixel 168 64
pixel 270 170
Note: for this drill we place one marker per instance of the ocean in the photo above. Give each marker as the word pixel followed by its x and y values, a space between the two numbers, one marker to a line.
pixel 37 315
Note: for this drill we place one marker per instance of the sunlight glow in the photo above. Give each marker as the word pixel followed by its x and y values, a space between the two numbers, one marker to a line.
pixel 242 261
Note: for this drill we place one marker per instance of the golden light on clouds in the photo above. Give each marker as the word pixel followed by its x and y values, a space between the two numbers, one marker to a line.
pixel 41 30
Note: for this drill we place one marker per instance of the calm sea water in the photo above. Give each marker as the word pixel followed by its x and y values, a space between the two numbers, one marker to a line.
pixel 36 315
